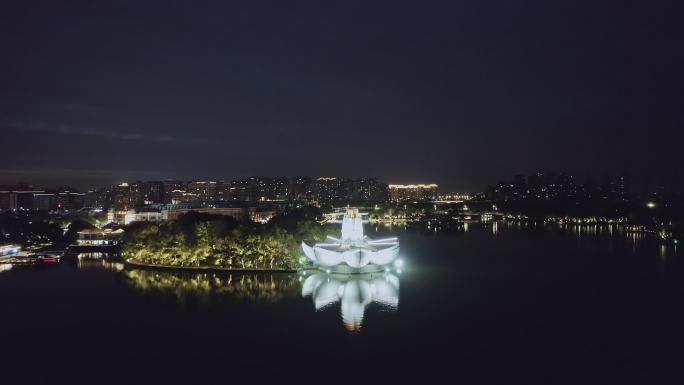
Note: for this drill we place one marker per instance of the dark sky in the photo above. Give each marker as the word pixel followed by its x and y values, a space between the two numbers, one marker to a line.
pixel 458 93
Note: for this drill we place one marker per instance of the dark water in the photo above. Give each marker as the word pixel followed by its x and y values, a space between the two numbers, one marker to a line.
pixel 488 306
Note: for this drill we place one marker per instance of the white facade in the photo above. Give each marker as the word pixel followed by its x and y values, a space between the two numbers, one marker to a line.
pixel 355 252
pixel 97 237
pixel 144 216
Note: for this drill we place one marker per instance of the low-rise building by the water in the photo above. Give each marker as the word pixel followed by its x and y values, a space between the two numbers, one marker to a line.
pixel 99 237
pixel 143 216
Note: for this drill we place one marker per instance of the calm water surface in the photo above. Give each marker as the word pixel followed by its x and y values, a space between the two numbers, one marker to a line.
pixel 492 305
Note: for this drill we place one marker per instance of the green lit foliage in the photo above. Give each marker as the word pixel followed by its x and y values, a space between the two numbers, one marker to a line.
pixel 222 242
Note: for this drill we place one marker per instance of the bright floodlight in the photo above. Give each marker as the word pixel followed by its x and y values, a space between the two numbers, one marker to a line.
pixel 354 252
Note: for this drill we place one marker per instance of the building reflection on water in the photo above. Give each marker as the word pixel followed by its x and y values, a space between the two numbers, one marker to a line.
pixel 99 261
pixel 354 292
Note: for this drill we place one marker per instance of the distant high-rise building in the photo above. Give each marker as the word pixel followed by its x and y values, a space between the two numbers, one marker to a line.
pixel 94 199
pixel 44 201
pixel 223 191
pixel 182 196
pixel 341 191
pixel 125 196
pixel 617 188
pixel 153 192
pixel 252 189
pixel 18 199
pixel 551 185
pixel 279 189
pixel 239 191
pixel 301 189
pixel 169 186
pixel 368 190
pixel 260 188
pixel 412 192
pixel 205 191
pixel 5 200
pixel 326 190
pixel 345 191
pixel 70 200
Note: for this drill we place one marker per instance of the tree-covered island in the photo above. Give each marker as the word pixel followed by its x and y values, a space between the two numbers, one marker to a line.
pixel 202 240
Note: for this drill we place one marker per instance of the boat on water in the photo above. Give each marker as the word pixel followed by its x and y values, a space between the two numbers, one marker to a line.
pixel 47 258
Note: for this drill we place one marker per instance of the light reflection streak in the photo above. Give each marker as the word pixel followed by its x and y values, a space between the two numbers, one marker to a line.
pixel 663 252
pixel 354 292
pixel 101 261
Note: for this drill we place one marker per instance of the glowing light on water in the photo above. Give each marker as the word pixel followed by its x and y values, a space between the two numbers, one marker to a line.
pixel 354 292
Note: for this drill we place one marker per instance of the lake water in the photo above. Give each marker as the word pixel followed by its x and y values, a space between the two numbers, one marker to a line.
pixel 495 304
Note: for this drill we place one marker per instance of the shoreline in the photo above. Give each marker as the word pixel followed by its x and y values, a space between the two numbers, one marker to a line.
pixel 130 263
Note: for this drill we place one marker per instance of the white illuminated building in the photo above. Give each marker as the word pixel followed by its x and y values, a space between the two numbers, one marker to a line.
pixel 354 252
pixel 142 216
pixel 354 292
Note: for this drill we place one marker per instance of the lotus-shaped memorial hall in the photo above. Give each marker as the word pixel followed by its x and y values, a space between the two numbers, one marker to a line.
pixel 354 252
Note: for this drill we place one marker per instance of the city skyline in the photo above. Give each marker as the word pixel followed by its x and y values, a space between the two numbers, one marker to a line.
pixel 552 186
pixel 92 179
pixel 635 185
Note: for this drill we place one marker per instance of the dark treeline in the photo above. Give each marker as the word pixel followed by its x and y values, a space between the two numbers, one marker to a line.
pixel 40 228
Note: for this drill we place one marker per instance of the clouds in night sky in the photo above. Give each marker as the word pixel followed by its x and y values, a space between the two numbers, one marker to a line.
pixel 461 93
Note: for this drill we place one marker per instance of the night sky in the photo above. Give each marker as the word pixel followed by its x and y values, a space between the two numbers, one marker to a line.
pixel 457 93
